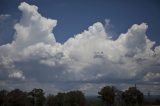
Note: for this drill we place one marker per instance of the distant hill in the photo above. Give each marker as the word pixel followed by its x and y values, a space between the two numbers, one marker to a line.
pixel 152 97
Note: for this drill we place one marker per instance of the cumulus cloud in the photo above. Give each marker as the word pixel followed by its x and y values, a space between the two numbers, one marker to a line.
pixel 17 74
pixel 89 57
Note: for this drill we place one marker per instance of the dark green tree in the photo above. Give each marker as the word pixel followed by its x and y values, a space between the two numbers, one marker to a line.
pixel 16 98
pixel 50 100
pixel 76 98
pixel 3 97
pixel 38 97
pixel 107 94
pixel 133 97
pixel 60 99
pixel 72 98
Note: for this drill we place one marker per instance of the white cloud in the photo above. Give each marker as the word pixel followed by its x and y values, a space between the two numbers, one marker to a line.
pixel 91 56
pixel 151 76
pixel 17 74
pixel 33 28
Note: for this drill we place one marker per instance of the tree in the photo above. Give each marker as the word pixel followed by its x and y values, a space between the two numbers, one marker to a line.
pixel 60 99
pixel 16 98
pixel 76 98
pixel 107 94
pixel 72 98
pixel 38 97
pixel 133 96
pixel 50 100
pixel 3 97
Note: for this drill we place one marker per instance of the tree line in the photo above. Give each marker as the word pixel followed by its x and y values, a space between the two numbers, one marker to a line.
pixel 109 95
pixel 114 97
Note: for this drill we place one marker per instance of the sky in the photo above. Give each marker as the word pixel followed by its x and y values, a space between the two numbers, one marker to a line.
pixel 62 45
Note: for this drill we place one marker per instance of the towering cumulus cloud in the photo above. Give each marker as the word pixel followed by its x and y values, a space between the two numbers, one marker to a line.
pixel 86 61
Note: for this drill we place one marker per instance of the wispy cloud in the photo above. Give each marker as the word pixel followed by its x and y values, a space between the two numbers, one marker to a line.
pixel 4 17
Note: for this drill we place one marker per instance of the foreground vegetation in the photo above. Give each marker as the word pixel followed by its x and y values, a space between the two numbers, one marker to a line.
pixel 108 96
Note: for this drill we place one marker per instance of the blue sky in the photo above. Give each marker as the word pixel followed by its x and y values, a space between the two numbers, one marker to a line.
pixel 76 15
pixel 62 45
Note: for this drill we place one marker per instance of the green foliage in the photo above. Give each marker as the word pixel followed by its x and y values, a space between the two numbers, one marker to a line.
pixel 76 98
pixel 107 94
pixel 3 97
pixel 133 96
pixel 16 98
pixel 38 96
pixel 50 100
pixel 72 98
